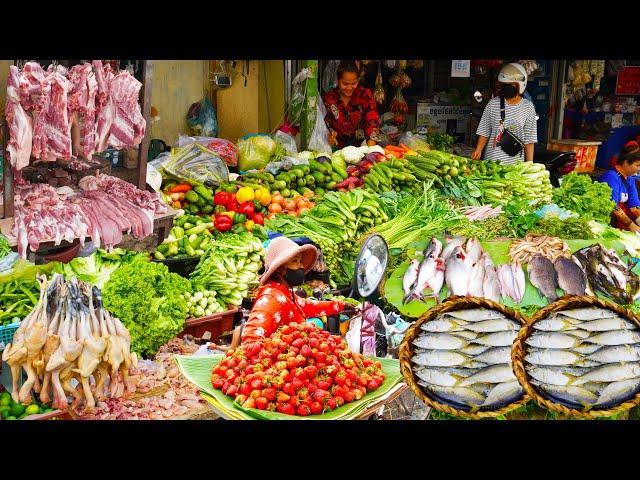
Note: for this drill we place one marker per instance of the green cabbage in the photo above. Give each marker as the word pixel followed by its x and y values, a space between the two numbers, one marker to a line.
pixel 147 298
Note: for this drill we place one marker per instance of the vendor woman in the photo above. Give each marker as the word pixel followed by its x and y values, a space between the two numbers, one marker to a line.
pixel 276 304
pixel 624 193
pixel 351 117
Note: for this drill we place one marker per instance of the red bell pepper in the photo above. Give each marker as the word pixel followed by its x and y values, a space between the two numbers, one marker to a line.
pixel 258 219
pixel 246 208
pixel 222 198
pixel 222 223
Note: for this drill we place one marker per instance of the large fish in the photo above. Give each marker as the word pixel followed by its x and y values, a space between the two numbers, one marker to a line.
pixel 491 287
pixel 512 281
pixel 475 314
pixel 444 377
pixel 616 337
pixel 495 355
pixel 502 394
pixel 444 358
pixel 552 340
pixel 497 339
pixel 452 243
pixel 584 314
pixel 409 279
pixel 617 353
pixel 476 279
pixel 443 325
pixel 493 374
pixel 489 326
pixel 612 372
pixel 571 278
pixel 462 396
pixel 457 272
pixel 556 324
pixel 605 324
pixel 474 251
pixel 430 273
pixel 571 395
pixel 555 375
pixel 552 357
pixel 543 276
pixel 439 341
pixel 618 392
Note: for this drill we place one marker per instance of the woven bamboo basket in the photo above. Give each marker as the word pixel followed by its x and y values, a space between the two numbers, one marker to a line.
pixel 519 348
pixel 452 304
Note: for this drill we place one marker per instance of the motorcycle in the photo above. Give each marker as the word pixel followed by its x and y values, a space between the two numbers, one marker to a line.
pixel 558 164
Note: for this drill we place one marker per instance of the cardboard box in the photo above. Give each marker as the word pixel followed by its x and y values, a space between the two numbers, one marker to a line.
pixel 451 119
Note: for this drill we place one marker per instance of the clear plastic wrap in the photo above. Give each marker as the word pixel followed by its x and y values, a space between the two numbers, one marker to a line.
pixel 202 120
pixel 195 164
pixel 319 141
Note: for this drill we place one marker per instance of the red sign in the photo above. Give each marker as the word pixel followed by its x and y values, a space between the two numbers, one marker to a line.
pixel 628 82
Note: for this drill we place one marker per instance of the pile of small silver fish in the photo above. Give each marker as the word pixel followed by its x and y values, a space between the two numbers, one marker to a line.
pixel 466 269
pixel 463 359
pixel 584 358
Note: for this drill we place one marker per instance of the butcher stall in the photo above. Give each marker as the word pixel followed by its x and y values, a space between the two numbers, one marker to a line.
pixel 64 125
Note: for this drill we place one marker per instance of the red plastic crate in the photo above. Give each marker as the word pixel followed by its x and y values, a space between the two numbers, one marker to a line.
pixel 217 324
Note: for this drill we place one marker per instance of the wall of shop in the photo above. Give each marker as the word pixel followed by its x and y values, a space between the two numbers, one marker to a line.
pixel 4 73
pixel 271 96
pixel 176 85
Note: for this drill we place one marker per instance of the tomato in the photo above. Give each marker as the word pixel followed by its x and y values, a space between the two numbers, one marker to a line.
pixel 288 389
pixel 310 371
pixel 357 394
pixel 242 364
pixel 348 383
pixel 292 362
pixel 301 361
pixel 312 388
pixel 331 370
pixel 255 350
pixel 321 357
pixel 362 381
pixel 261 403
pixel 324 347
pixel 240 399
pixel 294 401
pixel 351 375
pixel 314 342
pixel 339 401
pixel 232 362
pixel 303 410
pixel 278 383
pixel 269 394
pixel 324 385
pixel 245 389
pixel 255 393
pixel 250 403
pixel 249 370
pixel 282 397
pixel 287 339
pixel 316 408
pixel 300 373
pixel 258 367
pixel 367 362
pixel 280 365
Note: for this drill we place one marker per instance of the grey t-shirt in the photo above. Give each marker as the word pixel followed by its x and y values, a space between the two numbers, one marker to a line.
pixel 520 119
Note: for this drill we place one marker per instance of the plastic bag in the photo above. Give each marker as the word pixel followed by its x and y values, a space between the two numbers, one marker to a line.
pixel 414 141
pixel 287 141
pixel 224 148
pixel 319 141
pixel 255 152
pixel 202 120
pixel 330 75
pixel 196 164
pixel 287 163
pixel 298 96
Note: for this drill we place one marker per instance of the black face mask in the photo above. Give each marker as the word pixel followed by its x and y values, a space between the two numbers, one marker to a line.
pixel 294 277
pixel 509 91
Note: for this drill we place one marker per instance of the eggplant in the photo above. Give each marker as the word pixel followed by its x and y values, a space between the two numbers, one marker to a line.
pixel 373 157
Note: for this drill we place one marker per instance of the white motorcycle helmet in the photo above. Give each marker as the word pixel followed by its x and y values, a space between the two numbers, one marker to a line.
pixel 514 73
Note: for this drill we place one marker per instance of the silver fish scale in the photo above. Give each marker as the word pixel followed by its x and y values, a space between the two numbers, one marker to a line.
pixel 606 324
pixel 476 314
pixel 591 313
pixel 618 392
pixel 617 353
pixel 439 341
pixel 503 394
pixel 498 339
pixel 489 326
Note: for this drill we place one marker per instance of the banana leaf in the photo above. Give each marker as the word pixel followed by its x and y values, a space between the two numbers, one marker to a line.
pixel 198 371
pixel 498 250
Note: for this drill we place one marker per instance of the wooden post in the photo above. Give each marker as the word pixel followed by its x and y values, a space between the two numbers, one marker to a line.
pixel 308 115
pixel 7 174
pixel 143 150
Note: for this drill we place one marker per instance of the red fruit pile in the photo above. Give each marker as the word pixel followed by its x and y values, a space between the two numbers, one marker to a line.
pixel 299 370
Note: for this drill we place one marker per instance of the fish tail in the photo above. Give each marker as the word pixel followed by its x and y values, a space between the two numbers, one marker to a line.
pixel 572 378
pixel 585 406
pixel 473 408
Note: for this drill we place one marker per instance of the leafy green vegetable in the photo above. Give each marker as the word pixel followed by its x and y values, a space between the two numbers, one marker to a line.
pixel 4 246
pixel 589 199
pixel 17 299
pixel 521 216
pixel 97 267
pixel 569 228
pixel 440 141
pixel 488 229
pixel 147 298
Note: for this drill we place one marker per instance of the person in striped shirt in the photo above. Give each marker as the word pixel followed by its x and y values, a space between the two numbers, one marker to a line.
pixel 520 119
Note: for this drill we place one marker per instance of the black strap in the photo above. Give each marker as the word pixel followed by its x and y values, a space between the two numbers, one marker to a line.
pixel 501 108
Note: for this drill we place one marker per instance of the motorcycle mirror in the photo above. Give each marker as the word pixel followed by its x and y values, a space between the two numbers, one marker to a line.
pixel 370 266
pixel 478 96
